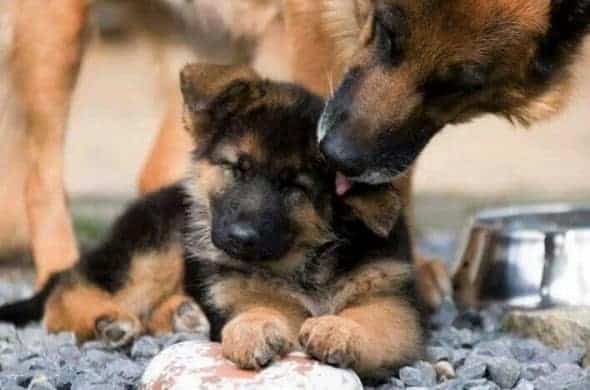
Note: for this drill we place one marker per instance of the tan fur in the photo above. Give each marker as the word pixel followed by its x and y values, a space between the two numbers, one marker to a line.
pixel 76 308
pixel 170 153
pixel 164 318
pixel 370 335
pixel 44 41
pixel 207 179
pixel 379 211
pixel 44 70
pixel 155 278
pixel 257 336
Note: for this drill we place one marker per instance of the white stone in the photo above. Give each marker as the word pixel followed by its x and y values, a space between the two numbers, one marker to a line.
pixel 196 365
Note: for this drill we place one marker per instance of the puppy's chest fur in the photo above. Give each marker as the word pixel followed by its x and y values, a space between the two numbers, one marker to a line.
pixel 320 289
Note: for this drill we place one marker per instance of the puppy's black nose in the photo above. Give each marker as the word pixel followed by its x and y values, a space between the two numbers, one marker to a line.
pixel 343 154
pixel 243 235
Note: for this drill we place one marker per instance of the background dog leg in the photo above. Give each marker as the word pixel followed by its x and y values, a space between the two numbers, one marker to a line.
pixel 432 276
pixel 47 51
pixel 169 156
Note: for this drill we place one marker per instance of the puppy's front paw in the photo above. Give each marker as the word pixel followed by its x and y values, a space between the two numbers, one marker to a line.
pixel 333 340
pixel 254 340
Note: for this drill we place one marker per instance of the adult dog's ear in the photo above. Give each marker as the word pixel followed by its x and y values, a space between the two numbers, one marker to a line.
pixel 378 207
pixel 212 91
pixel 569 22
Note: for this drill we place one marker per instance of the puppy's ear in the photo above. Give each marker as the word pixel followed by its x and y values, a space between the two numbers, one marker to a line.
pixel 212 90
pixel 569 22
pixel 377 207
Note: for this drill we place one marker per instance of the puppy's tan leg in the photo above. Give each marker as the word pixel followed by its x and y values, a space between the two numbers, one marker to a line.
pixel 47 51
pixel 169 157
pixel 178 313
pixel 90 313
pixel 372 337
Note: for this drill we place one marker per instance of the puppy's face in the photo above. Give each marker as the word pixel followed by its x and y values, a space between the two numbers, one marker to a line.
pixel 256 168
pixel 420 65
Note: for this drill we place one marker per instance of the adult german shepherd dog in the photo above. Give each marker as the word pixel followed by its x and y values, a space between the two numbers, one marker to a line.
pixel 404 69
pixel 254 246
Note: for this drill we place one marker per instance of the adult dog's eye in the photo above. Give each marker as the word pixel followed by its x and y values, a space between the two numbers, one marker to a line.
pixel 457 80
pixel 391 34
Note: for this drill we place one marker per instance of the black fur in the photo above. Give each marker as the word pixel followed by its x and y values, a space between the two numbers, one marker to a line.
pixel 569 24
pixel 149 223
pixel 23 312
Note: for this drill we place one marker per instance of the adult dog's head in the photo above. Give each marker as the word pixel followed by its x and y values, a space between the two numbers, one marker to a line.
pixel 262 194
pixel 418 65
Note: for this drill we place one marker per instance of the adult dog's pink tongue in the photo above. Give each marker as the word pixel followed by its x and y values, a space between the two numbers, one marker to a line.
pixel 343 185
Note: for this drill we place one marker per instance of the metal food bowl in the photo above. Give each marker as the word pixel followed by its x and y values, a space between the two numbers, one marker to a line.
pixel 526 257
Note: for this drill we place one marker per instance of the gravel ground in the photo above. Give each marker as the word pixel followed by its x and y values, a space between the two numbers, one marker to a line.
pixel 466 350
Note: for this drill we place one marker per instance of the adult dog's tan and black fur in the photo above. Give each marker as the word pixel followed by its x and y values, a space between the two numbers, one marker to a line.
pixel 399 71
pixel 258 238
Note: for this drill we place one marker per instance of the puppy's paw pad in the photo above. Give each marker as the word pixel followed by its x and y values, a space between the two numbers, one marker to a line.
pixel 253 343
pixel 189 318
pixel 332 340
pixel 116 333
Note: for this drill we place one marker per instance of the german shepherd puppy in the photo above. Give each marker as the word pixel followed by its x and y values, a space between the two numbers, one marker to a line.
pixel 257 237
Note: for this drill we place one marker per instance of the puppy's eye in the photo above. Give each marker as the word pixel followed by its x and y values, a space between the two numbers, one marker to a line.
pixel 243 167
pixel 457 80
pixel 293 182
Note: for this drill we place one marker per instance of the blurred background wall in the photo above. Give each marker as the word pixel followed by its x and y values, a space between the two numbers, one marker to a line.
pixel 120 100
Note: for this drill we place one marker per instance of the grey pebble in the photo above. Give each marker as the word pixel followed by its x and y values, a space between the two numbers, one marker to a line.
pixel 125 369
pixel 145 348
pixel 40 382
pixel 566 377
pixel 396 384
pixel 496 348
pixel 453 384
pixel 572 355
pixel 528 350
pixel 7 332
pixel 97 358
pixel 469 318
pixel 524 384
pixel 533 371
pixel 421 374
pixel 504 371
pixel 459 356
pixel 445 315
pixel 473 368
pixel 486 386
pixel 436 354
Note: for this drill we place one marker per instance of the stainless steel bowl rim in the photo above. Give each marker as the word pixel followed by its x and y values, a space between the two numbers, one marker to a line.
pixel 478 220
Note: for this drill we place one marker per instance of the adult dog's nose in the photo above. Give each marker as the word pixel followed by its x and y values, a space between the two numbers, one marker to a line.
pixel 343 154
